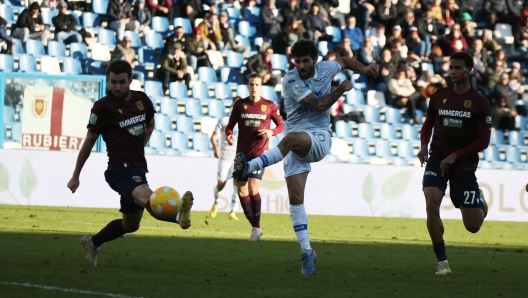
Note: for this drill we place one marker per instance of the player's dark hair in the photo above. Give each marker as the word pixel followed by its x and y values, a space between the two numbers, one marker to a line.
pixel 254 75
pixel 305 47
pixel 468 60
pixel 119 67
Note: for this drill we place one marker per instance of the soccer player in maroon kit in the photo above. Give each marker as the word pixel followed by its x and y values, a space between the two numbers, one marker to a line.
pixel 253 115
pixel 125 119
pixel 461 119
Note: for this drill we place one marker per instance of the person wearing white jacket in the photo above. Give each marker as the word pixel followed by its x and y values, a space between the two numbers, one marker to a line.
pixel 404 94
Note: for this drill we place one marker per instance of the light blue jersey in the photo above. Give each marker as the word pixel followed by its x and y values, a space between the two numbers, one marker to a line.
pixel 301 118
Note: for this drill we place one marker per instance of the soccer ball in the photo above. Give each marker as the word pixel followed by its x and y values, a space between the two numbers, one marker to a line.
pixel 165 202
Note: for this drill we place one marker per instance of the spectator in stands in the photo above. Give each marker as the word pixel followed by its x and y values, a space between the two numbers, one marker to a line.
pixel 210 31
pixel 494 11
pixel 198 49
pixel 514 9
pixel 428 27
pixel 481 60
pixel 387 71
pixel 407 22
pixel 468 27
pixel 30 25
pixel 6 42
pixel 192 9
pixel 355 34
pixel 14 92
pixel 65 26
pixel 436 10
pixel 120 18
pixel 416 45
pixel 493 74
pixel 501 55
pixel 399 51
pixel 404 94
pixel 504 115
pixel 260 64
pixel 344 49
pixel 403 7
pixel 503 89
pixel 290 11
pixel 387 13
pixel 450 13
pixel 516 79
pixel 161 8
pixel 377 36
pixel 454 42
pixel 177 36
pixel 426 85
pixel 489 43
pixel 521 38
pixel 173 68
pixel 228 36
pixel 362 10
pixel 142 15
pixel 396 33
pixel 124 51
pixel 368 53
pixel 316 24
pixel 272 30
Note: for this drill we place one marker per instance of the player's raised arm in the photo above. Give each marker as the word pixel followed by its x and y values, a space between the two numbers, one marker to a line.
pixel 354 65
pixel 84 153
pixel 149 128
pixel 324 103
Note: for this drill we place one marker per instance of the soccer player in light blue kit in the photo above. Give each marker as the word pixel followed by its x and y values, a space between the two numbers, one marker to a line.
pixel 307 102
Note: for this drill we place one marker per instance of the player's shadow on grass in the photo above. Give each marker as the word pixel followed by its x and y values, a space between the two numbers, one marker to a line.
pixel 138 265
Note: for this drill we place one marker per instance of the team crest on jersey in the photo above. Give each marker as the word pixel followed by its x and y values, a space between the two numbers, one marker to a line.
pixel 245 107
pixel 467 103
pixel 39 106
pixel 263 108
pixel 120 111
pixel 139 105
pixel 445 99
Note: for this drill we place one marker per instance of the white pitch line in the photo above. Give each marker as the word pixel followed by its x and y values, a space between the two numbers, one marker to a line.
pixel 27 284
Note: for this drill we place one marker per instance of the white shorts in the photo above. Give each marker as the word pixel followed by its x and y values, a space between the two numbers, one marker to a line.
pixel 321 143
pixel 225 165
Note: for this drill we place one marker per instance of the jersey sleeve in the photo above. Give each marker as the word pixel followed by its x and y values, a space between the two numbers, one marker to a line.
pixel 484 117
pixel 295 88
pixel 149 108
pixel 96 121
pixel 333 66
pixel 219 125
pixel 276 118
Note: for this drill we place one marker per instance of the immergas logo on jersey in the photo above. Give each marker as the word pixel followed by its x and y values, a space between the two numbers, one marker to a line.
pixel 253 116
pixel 454 113
pixel 133 120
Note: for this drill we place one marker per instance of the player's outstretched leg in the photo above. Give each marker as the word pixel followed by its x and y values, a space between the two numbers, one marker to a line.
pixel 234 199
pixel 185 210
pixel 214 209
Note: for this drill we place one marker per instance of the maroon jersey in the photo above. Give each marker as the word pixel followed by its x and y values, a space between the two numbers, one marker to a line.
pixel 121 123
pixel 457 118
pixel 252 117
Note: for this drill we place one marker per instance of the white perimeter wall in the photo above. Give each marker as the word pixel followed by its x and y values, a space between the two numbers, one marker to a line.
pixel 40 178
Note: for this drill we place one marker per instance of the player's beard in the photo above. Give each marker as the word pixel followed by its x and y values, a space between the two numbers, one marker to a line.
pixel 122 96
pixel 307 72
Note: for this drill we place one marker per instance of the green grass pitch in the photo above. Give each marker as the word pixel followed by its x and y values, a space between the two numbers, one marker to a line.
pixel 358 257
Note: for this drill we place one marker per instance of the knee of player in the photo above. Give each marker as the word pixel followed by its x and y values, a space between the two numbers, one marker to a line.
pixel 131 228
pixel 473 228
pixel 289 140
pixel 432 207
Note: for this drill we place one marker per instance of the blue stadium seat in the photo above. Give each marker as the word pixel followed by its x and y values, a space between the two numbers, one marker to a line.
pixel 16 131
pixel 355 97
pixel 94 67
pixel 147 57
pixel 372 114
pixel 520 121
pixel 355 160
pixel 193 108
pixel 100 6
pixel 79 51
pixel 216 108
pixel 508 166
pixel 184 124
pixel 35 48
pixel 107 37
pixel 366 131
pixel 234 13
pixel 492 154
pixel 497 137
pixel 7 12
pixel 516 138
pixel 91 20
pixel 246 29
pixel 163 122
pixel 388 132
pixel 27 63
pixel 71 66
pixel 161 25
pixel 252 14
pixel 269 93
pixel 154 40
pixel 242 91
pixel 158 140
pixel 343 130
pixel 169 107
pixel 153 89
pixel 513 154
pixel 7 63
pixel 383 149
pixel 360 82
pixel 150 151
pixel 47 15
pixel 406 150
pixel 324 47
pixel 134 37
pixel 360 148
pixel 207 75
pixel 410 133
pixel 172 152
pixel 400 162
pixel 229 76
pixel 242 40
pixel 332 158
pixel 180 142
pixel 223 91
pixel 279 62
pixel 346 108
pixel 17 48
pixel 341 77
pixel 335 32
pixel 9 115
pixel 486 164
pixel 185 23
pixel 234 59
pixel 201 91
pixel 393 116
pixel 178 90
pixel 56 49
pixel 201 142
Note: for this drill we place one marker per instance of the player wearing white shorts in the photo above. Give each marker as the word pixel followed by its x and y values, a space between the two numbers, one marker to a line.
pixel 225 154
pixel 307 99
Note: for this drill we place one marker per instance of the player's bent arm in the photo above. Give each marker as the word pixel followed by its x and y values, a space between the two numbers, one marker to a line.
pixel 214 140
pixel 322 104
pixel 149 128
pixel 85 152
pixel 426 132
pixel 352 64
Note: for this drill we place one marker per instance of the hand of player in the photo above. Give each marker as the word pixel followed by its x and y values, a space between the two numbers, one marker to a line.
pixel 447 163
pixel 372 70
pixel 265 133
pixel 73 184
pixel 231 140
pixel 217 153
pixel 346 84
pixel 423 155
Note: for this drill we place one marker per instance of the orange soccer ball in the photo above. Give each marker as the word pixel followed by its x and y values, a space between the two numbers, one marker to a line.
pixel 165 201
